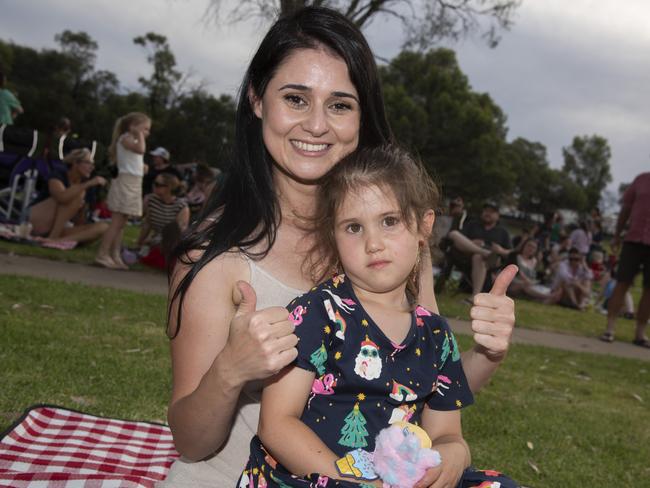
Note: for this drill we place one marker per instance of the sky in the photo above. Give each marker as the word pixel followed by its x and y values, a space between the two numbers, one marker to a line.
pixel 564 69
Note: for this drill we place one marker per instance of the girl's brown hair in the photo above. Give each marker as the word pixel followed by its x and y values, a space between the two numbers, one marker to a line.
pixel 387 167
pixel 171 180
pixel 122 125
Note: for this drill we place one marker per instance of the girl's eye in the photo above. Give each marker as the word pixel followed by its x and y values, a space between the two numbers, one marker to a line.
pixel 390 221
pixel 353 228
pixel 295 100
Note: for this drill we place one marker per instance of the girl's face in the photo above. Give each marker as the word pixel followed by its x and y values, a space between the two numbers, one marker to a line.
pixel 143 127
pixel 376 247
pixel 310 114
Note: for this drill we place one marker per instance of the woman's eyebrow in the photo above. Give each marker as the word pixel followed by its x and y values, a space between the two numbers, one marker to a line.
pixel 305 88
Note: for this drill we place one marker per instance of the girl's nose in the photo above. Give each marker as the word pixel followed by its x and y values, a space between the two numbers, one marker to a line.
pixel 373 242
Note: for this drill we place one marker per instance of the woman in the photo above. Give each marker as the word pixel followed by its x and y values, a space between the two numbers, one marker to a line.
pixel 64 197
pixel 310 96
pixel 526 283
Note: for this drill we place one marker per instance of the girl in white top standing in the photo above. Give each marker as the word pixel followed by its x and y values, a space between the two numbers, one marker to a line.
pixel 125 195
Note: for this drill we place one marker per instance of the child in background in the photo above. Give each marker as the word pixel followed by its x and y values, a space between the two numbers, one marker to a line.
pixel 368 355
pixel 124 200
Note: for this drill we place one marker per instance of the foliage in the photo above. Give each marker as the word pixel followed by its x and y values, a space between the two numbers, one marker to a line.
pixel 191 123
pixel 425 22
pixel 161 86
pixel 458 133
pixel 574 416
pixel 586 163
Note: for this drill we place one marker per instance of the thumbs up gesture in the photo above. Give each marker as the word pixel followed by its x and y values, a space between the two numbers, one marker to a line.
pixel 260 343
pixel 493 316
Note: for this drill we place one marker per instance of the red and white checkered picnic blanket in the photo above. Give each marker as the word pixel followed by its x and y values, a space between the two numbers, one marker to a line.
pixel 56 447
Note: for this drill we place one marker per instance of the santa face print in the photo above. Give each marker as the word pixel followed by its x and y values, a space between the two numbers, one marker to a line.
pixel 368 363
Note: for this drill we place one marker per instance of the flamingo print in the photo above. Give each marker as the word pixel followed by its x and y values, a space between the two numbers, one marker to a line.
pixel 322 386
pixel 296 315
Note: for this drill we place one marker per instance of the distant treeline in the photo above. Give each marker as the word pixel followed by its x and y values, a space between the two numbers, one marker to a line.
pixel 461 135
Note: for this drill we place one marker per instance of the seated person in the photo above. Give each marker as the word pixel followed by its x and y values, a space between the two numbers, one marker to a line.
pixel 160 163
pixel 580 238
pixel 162 208
pixel 205 179
pixel 62 199
pixel 480 245
pixel 572 282
pixel 526 282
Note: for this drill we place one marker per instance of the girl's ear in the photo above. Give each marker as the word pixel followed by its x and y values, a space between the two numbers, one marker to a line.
pixel 428 219
pixel 255 101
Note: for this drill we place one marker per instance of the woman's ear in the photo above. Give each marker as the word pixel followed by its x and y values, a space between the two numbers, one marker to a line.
pixel 428 220
pixel 255 101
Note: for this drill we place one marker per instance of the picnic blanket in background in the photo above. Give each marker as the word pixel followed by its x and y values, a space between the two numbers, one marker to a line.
pixel 10 233
pixel 55 447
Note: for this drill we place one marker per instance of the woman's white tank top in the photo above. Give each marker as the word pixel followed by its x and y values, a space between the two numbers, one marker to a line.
pixel 224 469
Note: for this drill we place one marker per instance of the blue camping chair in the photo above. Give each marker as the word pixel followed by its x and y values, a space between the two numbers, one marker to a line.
pixel 18 147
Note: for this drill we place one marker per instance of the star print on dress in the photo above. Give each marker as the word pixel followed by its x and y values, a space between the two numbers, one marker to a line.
pixel 368 363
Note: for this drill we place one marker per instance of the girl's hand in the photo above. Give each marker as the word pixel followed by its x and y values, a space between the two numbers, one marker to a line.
pixel 447 474
pixel 260 343
pixel 493 316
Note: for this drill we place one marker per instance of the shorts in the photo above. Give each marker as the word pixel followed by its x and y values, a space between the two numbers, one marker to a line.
pixel 634 256
pixel 125 195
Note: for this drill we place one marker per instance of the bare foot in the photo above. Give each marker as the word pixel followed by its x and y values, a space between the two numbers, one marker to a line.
pixel 106 262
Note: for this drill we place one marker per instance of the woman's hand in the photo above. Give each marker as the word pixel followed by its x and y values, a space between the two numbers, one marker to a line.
pixel 493 316
pixel 260 343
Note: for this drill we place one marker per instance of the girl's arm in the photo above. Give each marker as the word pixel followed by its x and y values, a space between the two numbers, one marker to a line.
pixel 444 428
pixel 222 344
pixel 133 142
pixel 282 432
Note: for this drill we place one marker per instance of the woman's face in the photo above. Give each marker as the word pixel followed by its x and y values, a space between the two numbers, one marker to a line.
pixel 160 187
pixel 310 114
pixel 85 167
pixel 529 250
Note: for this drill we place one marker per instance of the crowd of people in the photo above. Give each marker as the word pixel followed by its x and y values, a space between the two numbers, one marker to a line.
pixel 558 264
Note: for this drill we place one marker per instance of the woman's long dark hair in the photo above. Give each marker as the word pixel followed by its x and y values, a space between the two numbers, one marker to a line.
pixel 244 210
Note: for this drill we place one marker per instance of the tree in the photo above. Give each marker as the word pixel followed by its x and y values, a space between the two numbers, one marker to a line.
pixel 318 358
pixel 354 432
pixel 425 22
pixel 162 83
pixel 459 134
pixel 586 163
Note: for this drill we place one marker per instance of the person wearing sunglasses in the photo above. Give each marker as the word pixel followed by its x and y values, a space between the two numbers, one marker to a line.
pixel 52 213
pixel 572 281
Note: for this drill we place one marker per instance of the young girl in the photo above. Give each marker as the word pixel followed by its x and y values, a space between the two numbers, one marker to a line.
pixel 125 195
pixel 368 355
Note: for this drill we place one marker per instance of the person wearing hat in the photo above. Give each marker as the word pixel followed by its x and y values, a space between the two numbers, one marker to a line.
pixel 480 245
pixel 160 163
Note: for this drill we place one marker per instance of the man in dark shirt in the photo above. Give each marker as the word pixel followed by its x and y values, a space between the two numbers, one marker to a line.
pixel 481 244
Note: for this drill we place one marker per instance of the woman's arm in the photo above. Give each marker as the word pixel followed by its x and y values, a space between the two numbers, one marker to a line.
pixel 145 229
pixel 223 343
pixel 64 195
pixel 286 437
pixel 493 320
pixel 444 429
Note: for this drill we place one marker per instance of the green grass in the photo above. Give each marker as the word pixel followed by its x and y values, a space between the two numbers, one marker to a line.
pixel 96 349
pixel 82 254
pixel 535 315
pixel 105 352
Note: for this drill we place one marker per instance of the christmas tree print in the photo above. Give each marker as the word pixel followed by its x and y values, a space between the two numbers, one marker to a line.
pixel 354 432
pixel 455 354
pixel 318 358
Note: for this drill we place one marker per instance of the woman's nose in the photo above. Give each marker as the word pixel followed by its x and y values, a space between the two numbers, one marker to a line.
pixel 316 122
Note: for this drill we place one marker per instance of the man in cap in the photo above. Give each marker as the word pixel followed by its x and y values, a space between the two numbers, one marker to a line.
pixel 160 163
